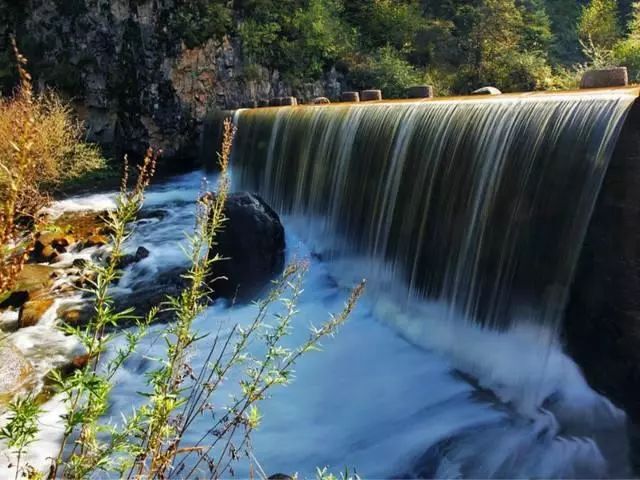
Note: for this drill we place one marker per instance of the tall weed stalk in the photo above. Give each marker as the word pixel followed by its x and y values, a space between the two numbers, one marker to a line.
pixel 149 442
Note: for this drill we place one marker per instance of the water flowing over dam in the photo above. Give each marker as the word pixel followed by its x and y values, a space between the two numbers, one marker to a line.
pixel 471 214
pixel 479 203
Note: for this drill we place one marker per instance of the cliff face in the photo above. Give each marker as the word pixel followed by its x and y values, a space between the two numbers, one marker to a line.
pixel 132 81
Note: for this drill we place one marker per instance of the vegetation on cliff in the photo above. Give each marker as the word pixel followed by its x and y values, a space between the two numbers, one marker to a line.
pixel 456 45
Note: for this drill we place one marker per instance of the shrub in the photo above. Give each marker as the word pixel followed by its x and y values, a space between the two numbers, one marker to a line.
pixel 58 152
pixel 198 21
pixel 387 70
pixel 41 148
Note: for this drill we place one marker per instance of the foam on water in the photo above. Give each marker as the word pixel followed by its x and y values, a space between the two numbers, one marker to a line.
pixel 386 395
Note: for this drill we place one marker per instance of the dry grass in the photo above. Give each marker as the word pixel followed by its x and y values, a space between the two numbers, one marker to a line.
pixel 41 146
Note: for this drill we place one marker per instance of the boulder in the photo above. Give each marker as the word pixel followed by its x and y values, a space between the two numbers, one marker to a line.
pixel 487 91
pixel 320 101
pixel 74 315
pixel 95 241
pixel 14 299
pixel 608 77
pixel 289 101
pixel 130 259
pixel 15 371
pixel 32 311
pixel 252 244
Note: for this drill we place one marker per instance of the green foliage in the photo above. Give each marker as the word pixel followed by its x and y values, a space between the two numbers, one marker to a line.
pixel 21 430
pixel 598 23
pixel 197 21
pixel 387 70
pixel 627 51
pixel 385 22
pixel 300 42
pixel 148 441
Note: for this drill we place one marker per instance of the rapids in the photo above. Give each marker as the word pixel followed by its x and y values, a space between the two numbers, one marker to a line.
pixel 445 400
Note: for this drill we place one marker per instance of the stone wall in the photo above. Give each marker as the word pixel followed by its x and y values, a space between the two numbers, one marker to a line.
pixel 603 316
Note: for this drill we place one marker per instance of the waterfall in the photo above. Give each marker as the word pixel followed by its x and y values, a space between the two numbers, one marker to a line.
pixel 480 204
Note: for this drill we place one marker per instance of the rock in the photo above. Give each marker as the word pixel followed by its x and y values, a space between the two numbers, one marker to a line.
pixel 75 315
pixel 420 91
pixel 129 259
pixel 95 241
pixel 608 77
pixel 252 243
pixel 147 294
pixel 280 476
pixel 350 97
pixel 15 371
pixel 289 101
pixel 47 255
pixel 275 102
pixel 32 311
pixel 80 361
pixel 80 263
pixel 34 278
pixel 15 299
pixel 320 101
pixel 370 95
pixel 486 91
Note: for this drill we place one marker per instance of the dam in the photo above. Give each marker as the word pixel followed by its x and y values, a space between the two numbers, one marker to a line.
pixel 508 211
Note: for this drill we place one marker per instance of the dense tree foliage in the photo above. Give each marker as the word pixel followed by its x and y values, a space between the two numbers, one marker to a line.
pixel 457 45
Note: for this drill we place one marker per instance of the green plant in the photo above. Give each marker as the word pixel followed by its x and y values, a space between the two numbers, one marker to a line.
pixel 598 24
pixel 20 430
pixel 148 442
pixel 387 71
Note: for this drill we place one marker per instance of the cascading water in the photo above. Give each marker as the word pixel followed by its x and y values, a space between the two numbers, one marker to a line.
pixel 465 217
pixel 468 215
pixel 480 204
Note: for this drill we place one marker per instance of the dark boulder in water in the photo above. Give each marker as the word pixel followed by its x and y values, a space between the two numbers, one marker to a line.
pixel 252 245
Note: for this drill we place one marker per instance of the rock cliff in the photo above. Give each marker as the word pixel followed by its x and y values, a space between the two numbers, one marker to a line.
pixel 132 78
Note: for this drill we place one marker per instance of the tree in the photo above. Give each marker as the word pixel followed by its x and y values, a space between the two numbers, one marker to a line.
pixel 627 51
pixel 536 33
pixel 598 24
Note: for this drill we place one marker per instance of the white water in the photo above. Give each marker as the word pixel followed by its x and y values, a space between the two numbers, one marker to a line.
pixel 384 396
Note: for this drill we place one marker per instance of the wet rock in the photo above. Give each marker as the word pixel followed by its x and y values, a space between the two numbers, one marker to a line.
pixel 486 91
pixel 34 278
pixel 75 315
pixel 15 299
pixel 32 311
pixel 252 244
pixel 47 255
pixel 95 241
pixel 130 259
pixel 80 263
pixel 320 101
pixel 15 371
pixel 80 361
pixel 47 244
